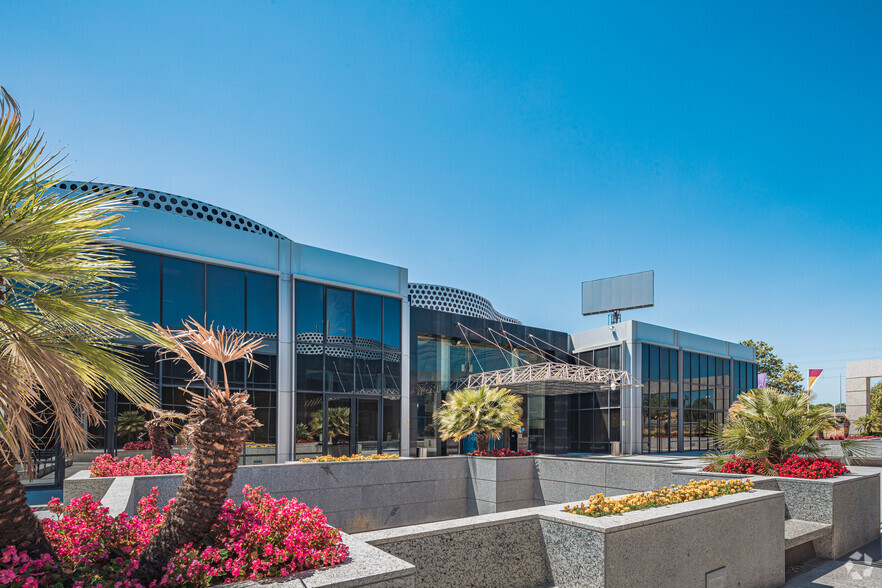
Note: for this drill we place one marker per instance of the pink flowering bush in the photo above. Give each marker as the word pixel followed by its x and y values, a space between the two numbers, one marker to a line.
pixel 19 570
pixel 263 537
pixel 106 465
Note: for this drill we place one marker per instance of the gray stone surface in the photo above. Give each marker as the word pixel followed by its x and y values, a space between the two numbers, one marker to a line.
pixel 575 555
pixel 850 503
pixel 509 554
pixel 80 483
pixel 797 532
pixel 668 546
pixel 498 484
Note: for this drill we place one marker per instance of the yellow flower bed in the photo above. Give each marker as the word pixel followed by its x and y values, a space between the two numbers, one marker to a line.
pixel 601 506
pixel 356 457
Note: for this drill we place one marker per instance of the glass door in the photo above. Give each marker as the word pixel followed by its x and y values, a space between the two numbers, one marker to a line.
pixel 338 423
pixel 367 428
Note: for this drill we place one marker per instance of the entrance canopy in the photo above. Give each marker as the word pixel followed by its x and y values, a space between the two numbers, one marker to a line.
pixel 557 377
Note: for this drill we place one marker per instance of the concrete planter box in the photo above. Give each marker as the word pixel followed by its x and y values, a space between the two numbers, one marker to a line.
pixel 850 503
pixel 499 484
pixel 355 496
pixel 739 535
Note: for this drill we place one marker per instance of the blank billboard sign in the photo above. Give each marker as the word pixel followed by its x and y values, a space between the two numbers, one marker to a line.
pixel 618 293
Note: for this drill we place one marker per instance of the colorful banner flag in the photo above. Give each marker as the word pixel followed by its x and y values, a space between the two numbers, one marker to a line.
pixel 762 380
pixel 813 376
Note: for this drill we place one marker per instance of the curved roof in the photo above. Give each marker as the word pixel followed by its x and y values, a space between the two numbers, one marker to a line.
pixel 447 299
pixel 178 206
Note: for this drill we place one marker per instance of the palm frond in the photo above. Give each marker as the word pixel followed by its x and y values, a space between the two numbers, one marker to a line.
pixel 60 317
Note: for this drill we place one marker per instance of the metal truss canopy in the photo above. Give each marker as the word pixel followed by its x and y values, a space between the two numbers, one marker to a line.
pixel 552 372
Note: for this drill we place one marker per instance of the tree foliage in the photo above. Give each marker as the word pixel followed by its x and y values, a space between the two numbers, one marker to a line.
pixel 769 426
pixel 60 317
pixel 783 378
pixel 872 421
pixel 483 411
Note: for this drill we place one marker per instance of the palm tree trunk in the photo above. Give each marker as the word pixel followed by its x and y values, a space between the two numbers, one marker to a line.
pixel 18 524
pixel 156 430
pixel 483 440
pixel 218 438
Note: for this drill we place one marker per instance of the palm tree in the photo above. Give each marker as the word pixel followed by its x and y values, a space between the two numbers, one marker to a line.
pixel 59 317
pixel 130 423
pixel 218 424
pixel 768 426
pixel 483 411
pixel 157 430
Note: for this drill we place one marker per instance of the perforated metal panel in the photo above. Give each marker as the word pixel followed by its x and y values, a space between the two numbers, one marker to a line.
pixel 177 205
pixel 447 299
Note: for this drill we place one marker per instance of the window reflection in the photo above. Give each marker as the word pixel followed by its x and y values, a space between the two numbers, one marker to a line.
pixel 225 305
pixel 140 291
pixel 183 291
pixel 339 317
pixel 263 303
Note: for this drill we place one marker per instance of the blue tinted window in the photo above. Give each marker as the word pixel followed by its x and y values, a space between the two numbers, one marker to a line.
pixel 368 318
pixel 310 312
pixel 263 303
pixel 601 357
pixel 140 292
pixel 339 317
pixel 664 363
pixel 392 322
pixel 183 291
pixel 225 297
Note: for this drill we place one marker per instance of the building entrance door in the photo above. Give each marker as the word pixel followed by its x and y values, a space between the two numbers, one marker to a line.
pixel 367 425
pixel 347 435
pixel 338 426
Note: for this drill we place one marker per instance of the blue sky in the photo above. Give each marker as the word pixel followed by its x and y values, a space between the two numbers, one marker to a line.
pixel 511 149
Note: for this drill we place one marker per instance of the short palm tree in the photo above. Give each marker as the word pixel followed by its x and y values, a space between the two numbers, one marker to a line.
pixel 157 430
pixel 59 317
pixel 218 424
pixel 130 423
pixel 768 426
pixel 338 423
pixel 483 411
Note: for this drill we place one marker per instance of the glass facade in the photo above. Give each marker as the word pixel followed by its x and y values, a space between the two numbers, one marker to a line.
pixel 708 385
pixel 348 363
pixel 168 290
pixel 441 361
pixel 595 417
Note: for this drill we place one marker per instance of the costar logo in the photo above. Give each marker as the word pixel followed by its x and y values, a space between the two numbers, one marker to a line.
pixel 852 569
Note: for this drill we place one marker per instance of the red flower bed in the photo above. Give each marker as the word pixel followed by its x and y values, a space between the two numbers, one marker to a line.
pixel 106 465
pixel 137 446
pixel 792 467
pixel 843 437
pixel 800 467
pixel 263 537
pixel 502 453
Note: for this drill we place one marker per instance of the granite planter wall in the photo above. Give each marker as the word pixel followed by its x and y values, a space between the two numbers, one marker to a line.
pixel 498 484
pixel 741 536
pixel 355 496
pixel 366 495
pixel 561 479
pixel 850 503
